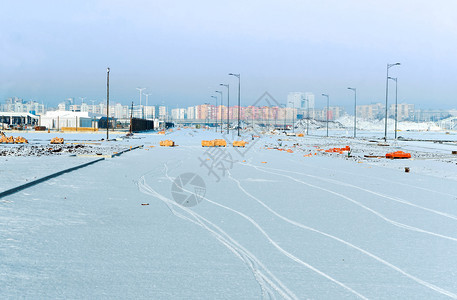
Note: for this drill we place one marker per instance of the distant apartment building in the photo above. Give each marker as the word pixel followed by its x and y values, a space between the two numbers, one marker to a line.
pixel 191 113
pixel 179 113
pixel 404 111
pixel 310 100
pixel 15 104
pixel 334 112
pixel 371 111
pixel 163 112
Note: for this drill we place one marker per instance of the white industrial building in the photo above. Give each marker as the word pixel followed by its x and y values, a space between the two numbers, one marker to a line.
pixel 58 119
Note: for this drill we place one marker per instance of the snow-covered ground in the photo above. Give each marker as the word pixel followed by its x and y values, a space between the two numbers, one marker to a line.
pixel 301 224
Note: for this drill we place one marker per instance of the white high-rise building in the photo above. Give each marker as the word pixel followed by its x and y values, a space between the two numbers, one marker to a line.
pixel 295 99
pixel 191 113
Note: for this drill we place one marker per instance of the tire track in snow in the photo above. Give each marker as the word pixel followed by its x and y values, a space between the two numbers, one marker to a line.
pixel 300 225
pixel 395 223
pixel 396 199
pixel 284 252
pixel 383 179
pixel 250 260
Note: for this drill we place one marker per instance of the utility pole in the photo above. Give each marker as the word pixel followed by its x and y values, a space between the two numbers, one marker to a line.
pixel 107 104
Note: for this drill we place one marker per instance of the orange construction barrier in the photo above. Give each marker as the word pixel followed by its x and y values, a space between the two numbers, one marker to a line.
pixel 167 143
pixel 337 150
pixel 20 140
pixel 398 154
pixel 300 135
pixel 57 140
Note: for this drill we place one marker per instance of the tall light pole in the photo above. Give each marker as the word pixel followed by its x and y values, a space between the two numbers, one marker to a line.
pixel 325 95
pixel 293 115
pixel 107 104
pixel 141 90
pixel 239 105
pixel 355 109
pixel 307 115
pixel 387 95
pixel 396 105
pixel 222 98
pixel 147 97
pixel 285 116
pixel 228 105
pixel 216 110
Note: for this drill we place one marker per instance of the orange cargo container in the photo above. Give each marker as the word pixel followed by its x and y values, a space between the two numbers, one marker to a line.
pixel 220 143
pixel 239 144
pixel 208 143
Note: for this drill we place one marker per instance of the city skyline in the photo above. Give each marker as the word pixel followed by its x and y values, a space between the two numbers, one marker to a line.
pixel 180 52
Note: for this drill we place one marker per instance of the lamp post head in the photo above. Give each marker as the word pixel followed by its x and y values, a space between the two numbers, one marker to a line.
pixel 107 70
pixel 352 89
pixel 391 65
pixel 325 95
pixel 236 75
pixel 392 78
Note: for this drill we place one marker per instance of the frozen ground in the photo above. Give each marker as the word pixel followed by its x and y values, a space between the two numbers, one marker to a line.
pixel 271 224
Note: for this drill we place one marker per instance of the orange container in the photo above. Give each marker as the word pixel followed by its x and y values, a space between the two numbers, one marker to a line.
pixel 398 154
pixel 239 143
pixel 220 143
pixel 167 143
pixel 207 143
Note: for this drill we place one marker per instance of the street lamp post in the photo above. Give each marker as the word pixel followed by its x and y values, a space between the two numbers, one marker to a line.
pixel 307 115
pixel 239 104
pixel 107 104
pixel 396 105
pixel 216 110
pixel 141 91
pixel 222 98
pixel 325 95
pixel 285 115
pixel 293 115
pixel 355 109
pixel 228 105
pixel 387 95
pixel 147 97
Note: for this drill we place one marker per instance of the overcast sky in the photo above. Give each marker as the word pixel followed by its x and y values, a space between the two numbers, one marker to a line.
pixel 181 50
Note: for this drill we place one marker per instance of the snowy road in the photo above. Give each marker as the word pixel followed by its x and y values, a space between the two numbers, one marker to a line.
pixel 271 224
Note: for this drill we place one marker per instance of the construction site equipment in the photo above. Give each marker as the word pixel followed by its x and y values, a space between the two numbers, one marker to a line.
pixel 167 143
pixel 57 140
pixel 208 143
pixel 220 143
pixel 239 144
pixel 398 155
pixel 40 128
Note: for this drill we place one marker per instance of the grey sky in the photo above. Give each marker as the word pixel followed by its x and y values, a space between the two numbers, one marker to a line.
pixel 181 50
